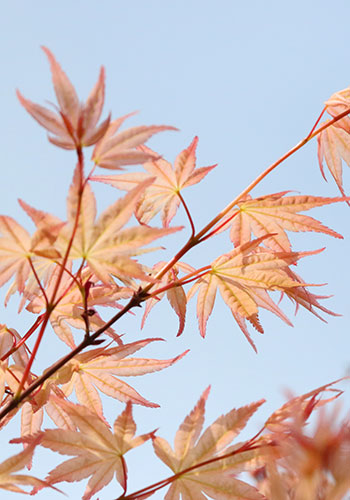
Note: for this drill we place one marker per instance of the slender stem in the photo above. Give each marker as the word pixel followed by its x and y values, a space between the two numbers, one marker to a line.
pixel 38 281
pixel 188 214
pixel 16 345
pixel 182 281
pixel 32 357
pixel 220 226
pixel 76 222
pixel 317 121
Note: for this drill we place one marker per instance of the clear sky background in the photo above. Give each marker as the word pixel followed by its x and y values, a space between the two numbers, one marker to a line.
pixel 250 79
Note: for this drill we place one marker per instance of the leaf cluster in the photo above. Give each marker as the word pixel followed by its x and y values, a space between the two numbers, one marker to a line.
pixel 67 270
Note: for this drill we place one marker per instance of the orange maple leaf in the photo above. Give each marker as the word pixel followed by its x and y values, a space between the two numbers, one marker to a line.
pixel 105 245
pixel 243 277
pixel 98 368
pixel 74 125
pixel 215 477
pixel 168 181
pixel 98 452
pixel 274 214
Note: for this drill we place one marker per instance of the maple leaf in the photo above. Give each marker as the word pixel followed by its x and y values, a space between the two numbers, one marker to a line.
pixel 274 214
pixel 74 125
pixel 195 458
pixel 103 244
pixel 20 253
pixel 98 368
pixel 239 275
pixel 334 146
pixel 98 452
pixel 116 150
pixel 163 195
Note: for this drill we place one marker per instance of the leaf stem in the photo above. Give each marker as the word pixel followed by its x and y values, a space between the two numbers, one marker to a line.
pixel 182 281
pixel 16 345
pixel 188 213
pixel 38 281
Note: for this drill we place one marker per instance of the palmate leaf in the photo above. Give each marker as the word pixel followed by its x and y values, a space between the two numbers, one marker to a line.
pixel 99 368
pixel 195 454
pixel 19 251
pixel 168 181
pixel 98 452
pixel 104 244
pixel 243 277
pixel 275 214
pixel 75 124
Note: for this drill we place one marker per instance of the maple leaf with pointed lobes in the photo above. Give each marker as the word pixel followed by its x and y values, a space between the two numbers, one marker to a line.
pixel 106 247
pixel 239 275
pixel 74 125
pixel 163 194
pixel 99 368
pixel 99 453
pixel 274 214
pixel 214 478
pixel 17 247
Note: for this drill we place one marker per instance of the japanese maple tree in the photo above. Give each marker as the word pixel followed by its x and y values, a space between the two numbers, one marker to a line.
pixel 68 269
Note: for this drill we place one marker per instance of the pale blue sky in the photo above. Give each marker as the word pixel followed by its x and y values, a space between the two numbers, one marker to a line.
pixel 250 79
